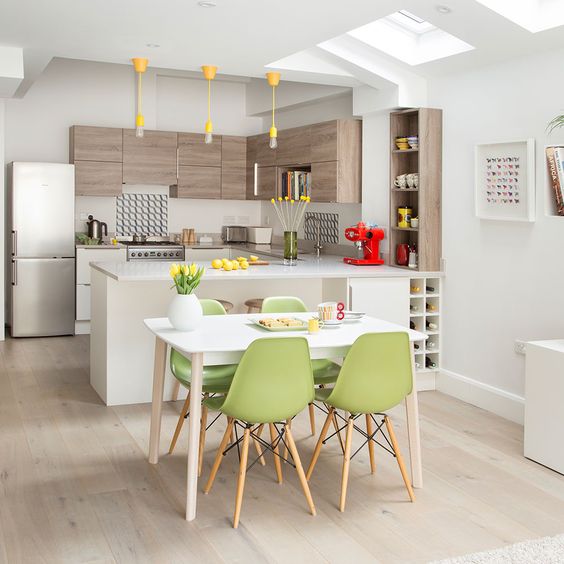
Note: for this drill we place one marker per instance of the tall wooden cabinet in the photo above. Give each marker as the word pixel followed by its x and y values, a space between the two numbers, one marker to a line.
pixel 97 155
pixel 233 167
pixel 425 199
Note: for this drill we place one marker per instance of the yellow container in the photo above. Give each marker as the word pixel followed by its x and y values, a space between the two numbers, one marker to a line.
pixel 404 216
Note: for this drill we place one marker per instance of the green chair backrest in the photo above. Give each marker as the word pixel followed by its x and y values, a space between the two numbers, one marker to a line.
pixel 273 381
pixel 179 364
pixel 376 374
pixel 283 304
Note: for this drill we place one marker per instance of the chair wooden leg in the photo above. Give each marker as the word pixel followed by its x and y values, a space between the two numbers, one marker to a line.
pixel 175 390
pixel 241 479
pixel 370 430
pixel 203 424
pixel 399 458
pixel 336 425
pixel 277 465
pixel 346 463
pixel 299 469
pixel 312 418
pixel 183 413
pixel 219 455
pixel 259 448
pixel 319 444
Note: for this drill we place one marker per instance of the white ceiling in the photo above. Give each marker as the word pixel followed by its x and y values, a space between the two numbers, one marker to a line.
pixel 241 37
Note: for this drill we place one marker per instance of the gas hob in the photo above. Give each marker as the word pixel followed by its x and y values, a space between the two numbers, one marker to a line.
pixel 155 250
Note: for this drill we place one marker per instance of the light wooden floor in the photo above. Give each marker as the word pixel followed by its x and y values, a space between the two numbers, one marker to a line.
pixel 75 485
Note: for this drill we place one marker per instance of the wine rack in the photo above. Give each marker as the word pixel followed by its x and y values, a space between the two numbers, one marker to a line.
pixel 425 316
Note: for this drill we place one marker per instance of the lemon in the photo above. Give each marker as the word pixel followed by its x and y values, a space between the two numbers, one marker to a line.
pixel 253 258
pixel 241 259
pixel 217 263
pixel 227 266
pixel 225 260
pixel 235 265
pixel 244 265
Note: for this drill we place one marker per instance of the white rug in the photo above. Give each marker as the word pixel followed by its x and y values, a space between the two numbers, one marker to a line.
pixel 547 550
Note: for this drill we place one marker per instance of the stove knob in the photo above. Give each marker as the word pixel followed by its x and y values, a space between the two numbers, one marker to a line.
pixel 146 254
pixel 165 254
pixel 158 254
pixel 132 254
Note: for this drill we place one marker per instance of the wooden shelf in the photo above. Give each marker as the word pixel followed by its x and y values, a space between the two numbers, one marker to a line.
pixel 405 150
pixel 405 189
pixel 396 228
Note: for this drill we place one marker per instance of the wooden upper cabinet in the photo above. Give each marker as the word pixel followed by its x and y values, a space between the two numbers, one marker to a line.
pixel 294 146
pixel 233 167
pixel 97 178
pixel 324 142
pixel 324 181
pixel 265 156
pixel 192 151
pixel 100 144
pixel 199 182
pixel 150 159
pixel 266 183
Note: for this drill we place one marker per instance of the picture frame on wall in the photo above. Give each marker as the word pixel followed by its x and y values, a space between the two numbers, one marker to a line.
pixel 505 180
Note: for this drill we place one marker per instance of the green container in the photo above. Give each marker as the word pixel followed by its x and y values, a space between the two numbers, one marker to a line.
pixel 290 248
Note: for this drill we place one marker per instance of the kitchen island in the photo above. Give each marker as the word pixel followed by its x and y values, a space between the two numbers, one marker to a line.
pixel 126 293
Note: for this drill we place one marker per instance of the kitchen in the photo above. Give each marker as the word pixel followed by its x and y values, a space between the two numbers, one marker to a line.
pixel 162 162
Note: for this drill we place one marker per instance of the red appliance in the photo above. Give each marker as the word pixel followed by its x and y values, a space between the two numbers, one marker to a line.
pixel 368 239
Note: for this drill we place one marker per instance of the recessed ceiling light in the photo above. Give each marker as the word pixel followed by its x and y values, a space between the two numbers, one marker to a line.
pixel 153 45
pixel 443 10
pixel 207 4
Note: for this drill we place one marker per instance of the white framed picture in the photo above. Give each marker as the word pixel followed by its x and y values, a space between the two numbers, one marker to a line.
pixel 505 180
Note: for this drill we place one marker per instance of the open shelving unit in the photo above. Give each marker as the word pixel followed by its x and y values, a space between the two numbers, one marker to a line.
pixel 424 308
pixel 425 200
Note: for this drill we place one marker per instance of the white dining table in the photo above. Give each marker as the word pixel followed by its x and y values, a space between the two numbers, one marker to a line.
pixel 222 339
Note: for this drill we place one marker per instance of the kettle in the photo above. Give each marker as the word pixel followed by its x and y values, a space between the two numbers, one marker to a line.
pixel 96 227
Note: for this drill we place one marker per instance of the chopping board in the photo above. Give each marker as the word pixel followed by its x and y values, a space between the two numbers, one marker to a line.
pixel 259 263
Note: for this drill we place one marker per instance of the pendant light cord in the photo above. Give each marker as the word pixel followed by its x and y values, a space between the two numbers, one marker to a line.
pixel 273 104
pixel 139 108
pixel 209 96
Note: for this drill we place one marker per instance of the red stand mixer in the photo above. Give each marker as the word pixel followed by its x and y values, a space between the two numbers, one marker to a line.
pixel 368 239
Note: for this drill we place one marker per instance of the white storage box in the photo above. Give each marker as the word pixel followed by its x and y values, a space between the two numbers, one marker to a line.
pixel 259 235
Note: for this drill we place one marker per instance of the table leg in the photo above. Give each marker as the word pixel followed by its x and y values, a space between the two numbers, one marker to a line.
pixel 193 435
pixel 412 411
pixel 157 400
pixel 175 390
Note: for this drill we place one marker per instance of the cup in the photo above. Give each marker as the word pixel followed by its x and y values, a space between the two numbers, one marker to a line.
pixel 414 222
pixel 416 180
pixel 331 312
pixel 410 179
pixel 401 181
pixel 314 325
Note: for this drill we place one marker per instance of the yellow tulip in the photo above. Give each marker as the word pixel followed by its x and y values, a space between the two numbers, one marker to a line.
pixel 174 270
pixel 193 268
pixel 184 269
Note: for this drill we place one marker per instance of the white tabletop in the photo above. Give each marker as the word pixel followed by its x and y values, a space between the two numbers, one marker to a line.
pixel 221 335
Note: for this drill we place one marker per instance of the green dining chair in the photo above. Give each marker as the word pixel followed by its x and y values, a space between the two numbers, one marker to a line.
pixel 376 376
pixel 216 380
pixel 324 371
pixel 272 384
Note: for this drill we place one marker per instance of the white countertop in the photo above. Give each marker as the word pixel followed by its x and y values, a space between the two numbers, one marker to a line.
pixel 328 266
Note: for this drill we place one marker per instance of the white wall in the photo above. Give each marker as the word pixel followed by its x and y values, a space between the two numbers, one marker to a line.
pixel 4 243
pixel 503 280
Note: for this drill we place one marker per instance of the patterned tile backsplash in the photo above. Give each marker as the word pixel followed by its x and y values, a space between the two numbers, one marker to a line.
pixel 142 213
pixel 329 231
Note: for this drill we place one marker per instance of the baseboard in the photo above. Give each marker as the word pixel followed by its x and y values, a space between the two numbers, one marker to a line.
pixel 426 381
pixel 82 327
pixel 505 404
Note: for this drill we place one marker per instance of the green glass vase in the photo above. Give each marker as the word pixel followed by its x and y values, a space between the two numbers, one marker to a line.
pixel 290 248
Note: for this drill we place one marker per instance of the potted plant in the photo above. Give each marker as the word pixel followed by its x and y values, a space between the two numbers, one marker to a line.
pixel 185 311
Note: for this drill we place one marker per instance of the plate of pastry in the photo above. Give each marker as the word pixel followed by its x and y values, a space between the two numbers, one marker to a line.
pixel 277 324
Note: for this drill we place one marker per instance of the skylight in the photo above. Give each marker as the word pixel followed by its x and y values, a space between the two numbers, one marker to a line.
pixel 411 39
pixel 533 15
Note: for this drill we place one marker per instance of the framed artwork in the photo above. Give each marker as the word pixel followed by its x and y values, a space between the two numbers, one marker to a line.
pixel 505 180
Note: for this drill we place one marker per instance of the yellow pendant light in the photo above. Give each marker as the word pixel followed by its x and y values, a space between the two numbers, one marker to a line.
pixel 209 74
pixel 273 79
pixel 140 66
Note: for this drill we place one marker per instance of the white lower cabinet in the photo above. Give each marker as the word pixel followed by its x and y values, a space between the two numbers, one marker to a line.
pixel 206 255
pixel 83 259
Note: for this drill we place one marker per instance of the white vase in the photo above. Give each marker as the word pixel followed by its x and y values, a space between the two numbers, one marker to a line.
pixel 185 312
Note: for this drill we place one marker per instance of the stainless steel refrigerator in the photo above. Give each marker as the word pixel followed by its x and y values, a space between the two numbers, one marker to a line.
pixel 41 215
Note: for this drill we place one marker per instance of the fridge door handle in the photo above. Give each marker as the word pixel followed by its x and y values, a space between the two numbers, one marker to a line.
pixel 14 243
pixel 14 273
